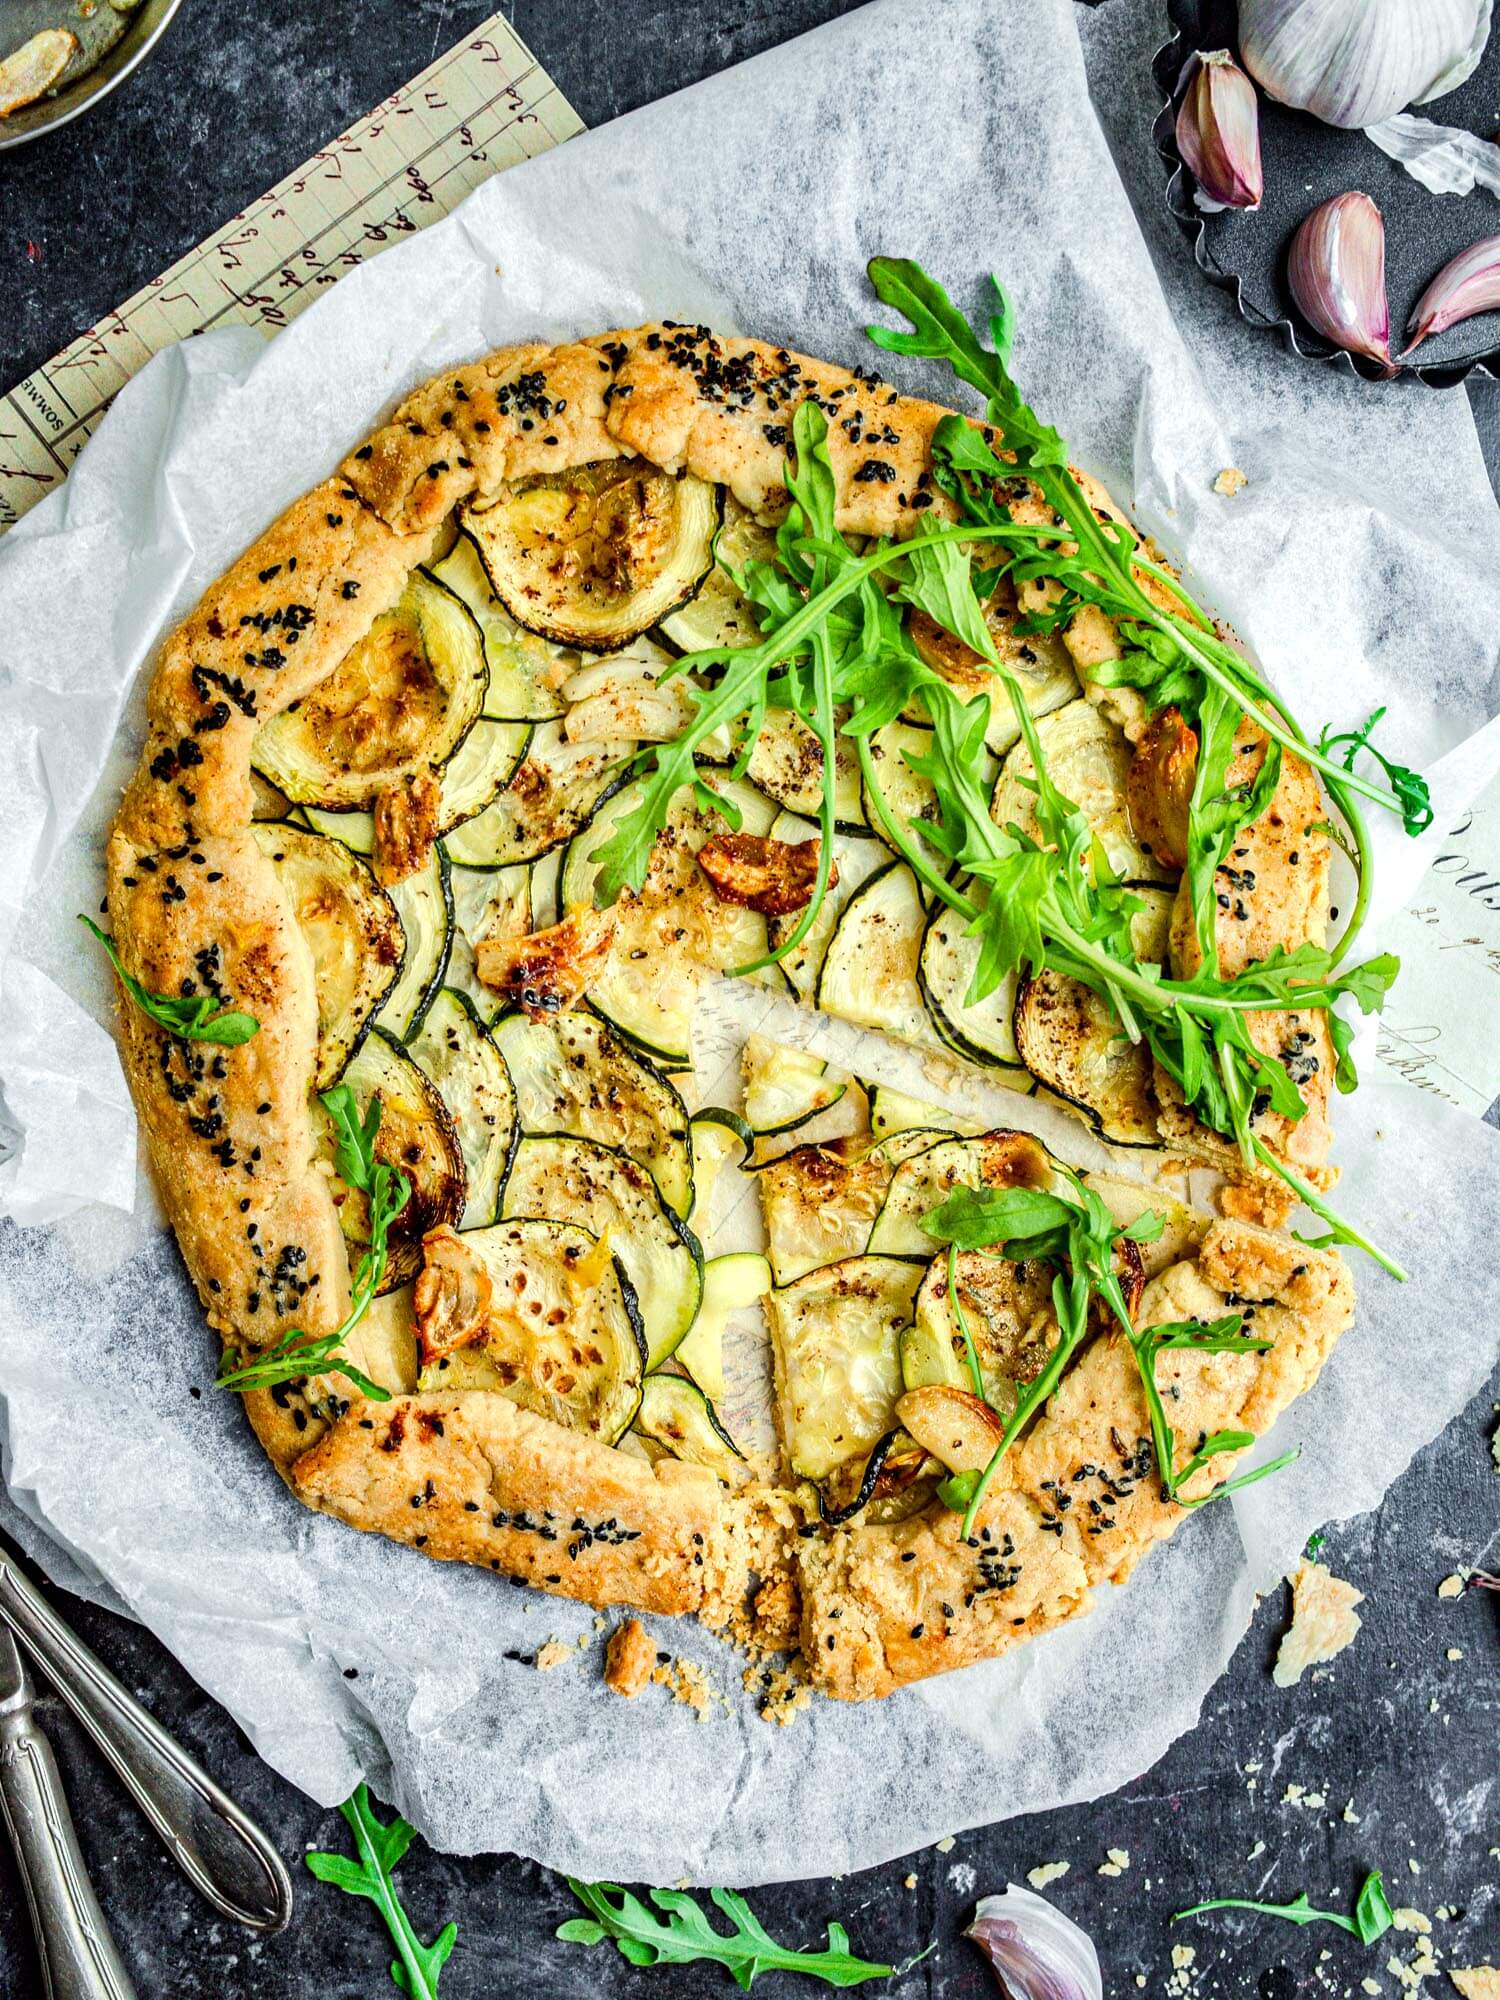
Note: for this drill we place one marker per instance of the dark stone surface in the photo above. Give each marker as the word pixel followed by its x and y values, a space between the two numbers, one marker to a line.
pixel 234 99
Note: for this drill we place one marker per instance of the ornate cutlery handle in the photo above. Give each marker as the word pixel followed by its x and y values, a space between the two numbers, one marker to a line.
pixel 77 1953
pixel 223 1853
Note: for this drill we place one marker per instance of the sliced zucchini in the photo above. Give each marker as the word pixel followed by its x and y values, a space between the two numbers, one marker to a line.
pixel 572 1075
pixel 731 1284
pixel 981 1030
pixel 526 674
pixel 480 769
pixel 537 1311
pixel 676 930
pixel 267 801
pixel 486 903
pixel 908 797
pixel 784 1087
pixel 997 1159
pixel 416 1135
pixel 931 1357
pixel 593 556
pixel 1088 759
pixel 424 903
pixel 1039 662
pixel 892 1484
pixel 1008 1310
pixel 892 1111
pixel 869 973
pixel 604 1191
pixel 787 765
pixel 1069 1039
pixel 856 861
pixel 553 793
pixel 1183 1228
pixel 676 1413
pixel 624 695
pixel 717 1136
pixel 819 1207
pixel 455 1050
pixel 836 1337
pixel 899 1147
pixel 354 830
pixel 351 930
pixel 401 700
pixel 717 614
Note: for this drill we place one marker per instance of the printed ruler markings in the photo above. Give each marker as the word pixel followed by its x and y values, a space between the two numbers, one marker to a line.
pixel 484 105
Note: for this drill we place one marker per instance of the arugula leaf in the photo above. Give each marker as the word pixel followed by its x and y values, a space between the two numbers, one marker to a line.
pixel 380 1847
pixel 198 1017
pixel 1410 787
pixel 386 1190
pixel 683 1935
pixel 1373 1915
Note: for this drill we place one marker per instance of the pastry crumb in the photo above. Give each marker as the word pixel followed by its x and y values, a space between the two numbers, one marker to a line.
pixel 1476 1982
pixel 1454 1653
pixel 909 1882
pixel 628 1659
pixel 781 1693
pixel 1452 1586
pixel 1230 481
pixel 688 1684
pixel 1323 1621
pixel 553 1654
pixel 947 1844
pixel 1050 1871
pixel 1118 1862
pixel 1411 1920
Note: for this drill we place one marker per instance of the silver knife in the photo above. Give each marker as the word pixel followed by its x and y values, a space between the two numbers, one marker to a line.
pixel 77 1953
pixel 222 1852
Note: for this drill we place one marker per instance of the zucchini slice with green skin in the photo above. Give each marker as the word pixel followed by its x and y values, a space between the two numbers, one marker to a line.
pixel 553 793
pixel 481 768
pixel 716 614
pixel 908 796
pixel 424 903
pixel 572 1075
pixel 730 1285
pixel 892 1112
pixel 997 1159
pixel 982 1031
pixel 856 861
pixel 457 1053
pixel 836 1338
pixel 565 1179
pixel 1008 1310
pixel 1039 662
pixel 1071 1042
pixel 676 1413
pixel 417 1136
pixel 676 931
pixel 932 1356
pixel 575 1353
pixel 898 1147
pixel 869 972
pixel 402 700
pixel 1088 759
pixel 889 1486
pixel 526 673
pixel 787 765
pixel 487 903
pixel 354 830
pixel 785 1087
pixel 351 930
pixel 595 555
pixel 717 1136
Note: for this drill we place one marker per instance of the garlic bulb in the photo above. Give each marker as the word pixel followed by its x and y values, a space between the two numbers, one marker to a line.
pixel 1469 283
pixel 1354 62
pixel 1336 270
pixel 1034 1951
pixel 1218 133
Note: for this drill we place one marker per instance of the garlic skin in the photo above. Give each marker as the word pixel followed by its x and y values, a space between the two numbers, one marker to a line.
pixel 1336 270
pixel 1467 284
pixel 1354 62
pixel 1035 1952
pixel 1218 133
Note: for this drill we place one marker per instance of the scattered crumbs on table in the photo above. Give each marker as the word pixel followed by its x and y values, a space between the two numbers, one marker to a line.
pixel 1049 1871
pixel 1454 1653
pixel 1230 481
pixel 1476 1982
pixel 1453 1586
pixel 1351 1817
pixel 553 1654
pixel 947 1844
pixel 909 1882
pixel 1323 1621
pixel 1118 1862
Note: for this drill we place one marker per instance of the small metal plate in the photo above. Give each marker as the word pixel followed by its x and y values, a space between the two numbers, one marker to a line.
pixel 1306 162
pixel 111 45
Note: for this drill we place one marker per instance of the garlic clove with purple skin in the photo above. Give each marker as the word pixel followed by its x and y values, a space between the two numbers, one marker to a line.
pixel 1467 284
pixel 1336 270
pixel 1218 132
pixel 1034 1951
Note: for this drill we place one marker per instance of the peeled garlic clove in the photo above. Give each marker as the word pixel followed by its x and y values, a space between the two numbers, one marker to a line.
pixel 1218 133
pixel 1467 284
pixel 1337 274
pixel 1354 62
pixel 1034 1951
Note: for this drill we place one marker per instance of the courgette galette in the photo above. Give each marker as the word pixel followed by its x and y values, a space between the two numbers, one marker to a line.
pixel 606 668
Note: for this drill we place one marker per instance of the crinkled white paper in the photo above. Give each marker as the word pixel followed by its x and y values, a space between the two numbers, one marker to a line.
pixel 1362 561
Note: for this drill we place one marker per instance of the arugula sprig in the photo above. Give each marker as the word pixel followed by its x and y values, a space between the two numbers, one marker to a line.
pixel 196 1017
pixel 380 1847
pixel 683 1935
pixel 386 1190
pixel 1219 1336
pixel 1373 1915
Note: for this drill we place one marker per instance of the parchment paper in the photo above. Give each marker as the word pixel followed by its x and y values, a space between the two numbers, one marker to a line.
pixel 1362 561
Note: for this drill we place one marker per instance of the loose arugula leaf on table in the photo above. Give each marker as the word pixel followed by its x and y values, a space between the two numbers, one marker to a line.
pixel 385 1189
pixel 683 1935
pixel 1373 1915
pixel 196 1017
pixel 380 1848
